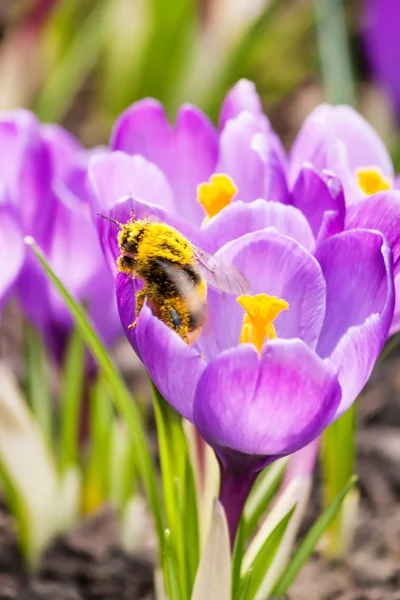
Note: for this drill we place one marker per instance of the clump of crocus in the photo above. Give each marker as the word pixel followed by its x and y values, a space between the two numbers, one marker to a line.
pixel 270 371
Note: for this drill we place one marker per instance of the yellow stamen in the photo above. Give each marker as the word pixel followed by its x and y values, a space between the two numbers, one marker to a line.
pixel 215 194
pixel 261 312
pixel 371 180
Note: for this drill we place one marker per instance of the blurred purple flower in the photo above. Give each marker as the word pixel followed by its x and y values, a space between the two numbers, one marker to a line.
pixel 381 26
pixel 39 168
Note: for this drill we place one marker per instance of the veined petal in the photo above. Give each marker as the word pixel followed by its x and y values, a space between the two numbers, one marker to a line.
pixel 357 267
pixel 240 218
pixel 269 405
pixel 381 212
pixel 185 153
pixel 278 266
pixel 337 138
pixel 250 158
pixel 118 175
pixel 26 171
pixel 63 148
pixel 241 97
pixel 173 365
pixel 320 198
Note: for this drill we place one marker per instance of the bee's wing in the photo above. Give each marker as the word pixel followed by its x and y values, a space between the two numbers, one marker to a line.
pixel 179 278
pixel 221 275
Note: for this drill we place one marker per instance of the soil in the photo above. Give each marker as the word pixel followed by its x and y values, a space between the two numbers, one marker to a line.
pixel 85 565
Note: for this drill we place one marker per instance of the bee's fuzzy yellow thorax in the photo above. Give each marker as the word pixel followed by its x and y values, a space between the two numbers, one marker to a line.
pixel 371 180
pixel 261 312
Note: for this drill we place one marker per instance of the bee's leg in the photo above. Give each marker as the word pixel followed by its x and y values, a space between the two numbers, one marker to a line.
pixel 172 317
pixel 140 298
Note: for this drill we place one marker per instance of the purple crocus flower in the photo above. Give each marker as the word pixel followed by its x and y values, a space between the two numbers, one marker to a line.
pixel 381 25
pixel 255 403
pixel 40 175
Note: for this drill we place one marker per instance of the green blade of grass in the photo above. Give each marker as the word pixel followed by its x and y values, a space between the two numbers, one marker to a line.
pixel 38 390
pixel 120 395
pixel 71 397
pixel 307 546
pixel 179 491
pixel 263 560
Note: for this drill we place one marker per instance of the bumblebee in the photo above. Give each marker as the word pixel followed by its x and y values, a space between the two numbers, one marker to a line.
pixel 175 274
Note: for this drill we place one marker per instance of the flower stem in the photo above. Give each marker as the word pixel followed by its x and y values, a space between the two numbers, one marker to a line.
pixel 235 488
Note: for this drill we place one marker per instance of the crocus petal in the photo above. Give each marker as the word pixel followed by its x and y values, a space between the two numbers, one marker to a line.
pixel 337 138
pixel 173 366
pixel 357 267
pixel 242 97
pixel 268 405
pixel 117 175
pixel 279 266
pixel 25 169
pixel 250 159
pixel 63 148
pixel 320 198
pixel 186 154
pixel 240 218
pixel 395 326
pixel 381 212
pixel 12 248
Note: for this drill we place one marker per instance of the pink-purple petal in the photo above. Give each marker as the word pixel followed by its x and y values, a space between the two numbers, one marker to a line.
pixel 381 212
pixel 173 366
pixel 321 200
pixel 242 97
pixel 357 266
pixel 277 265
pixel 337 138
pixel 12 247
pixel 251 159
pixel 240 218
pixel 117 175
pixel 186 153
pixel 269 405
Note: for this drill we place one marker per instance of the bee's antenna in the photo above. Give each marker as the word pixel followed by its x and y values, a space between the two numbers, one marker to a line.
pixel 111 220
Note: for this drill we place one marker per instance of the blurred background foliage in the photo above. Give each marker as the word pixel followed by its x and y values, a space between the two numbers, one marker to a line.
pixel 81 62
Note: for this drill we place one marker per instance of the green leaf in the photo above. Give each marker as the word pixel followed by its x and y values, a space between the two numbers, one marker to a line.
pixel 38 390
pixel 264 558
pixel 338 454
pixel 213 578
pixel 170 570
pixel 238 553
pixel 179 490
pixel 86 43
pixel 307 546
pixel 171 36
pixel 245 586
pixel 116 387
pixel 263 492
pixel 70 401
pixel 334 51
